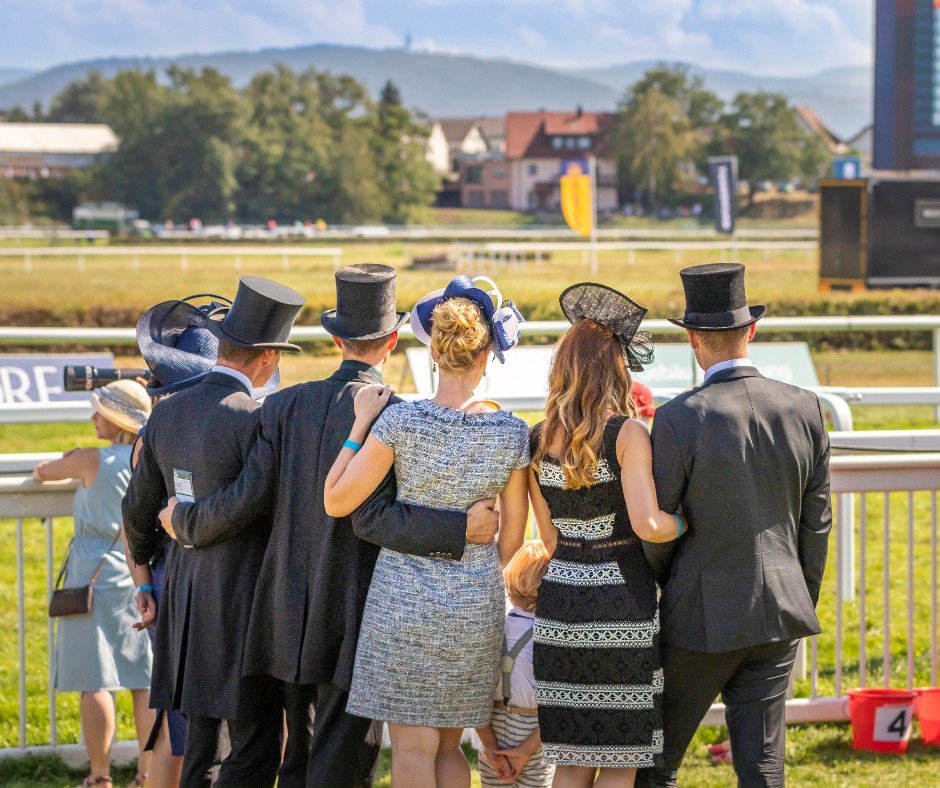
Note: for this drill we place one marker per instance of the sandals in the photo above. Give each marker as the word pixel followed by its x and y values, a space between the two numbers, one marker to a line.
pixel 101 779
pixel 139 781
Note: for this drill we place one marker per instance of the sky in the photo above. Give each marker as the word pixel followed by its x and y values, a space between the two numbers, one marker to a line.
pixel 778 37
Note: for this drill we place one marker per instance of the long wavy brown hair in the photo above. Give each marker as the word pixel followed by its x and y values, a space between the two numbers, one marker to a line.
pixel 589 382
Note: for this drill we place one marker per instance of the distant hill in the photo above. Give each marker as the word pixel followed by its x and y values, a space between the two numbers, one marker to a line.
pixel 842 96
pixel 461 85
pixel 8 75
pixel 438 84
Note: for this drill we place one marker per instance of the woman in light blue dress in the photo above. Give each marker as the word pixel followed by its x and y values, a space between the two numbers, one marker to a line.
pixel 102 651
pixel 432 628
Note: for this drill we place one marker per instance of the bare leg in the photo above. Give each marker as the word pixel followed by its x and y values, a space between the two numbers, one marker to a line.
pixel 451 765
pixel 414 750
pixel 573 777
pixel 143 724
pixel 96 710
pixel 615 778
pixel 165 767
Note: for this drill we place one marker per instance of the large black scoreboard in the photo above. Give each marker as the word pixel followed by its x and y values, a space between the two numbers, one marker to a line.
pixel 907 85
pixel 879 233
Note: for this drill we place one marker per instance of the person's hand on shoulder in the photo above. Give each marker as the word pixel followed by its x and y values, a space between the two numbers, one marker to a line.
pixel 370 401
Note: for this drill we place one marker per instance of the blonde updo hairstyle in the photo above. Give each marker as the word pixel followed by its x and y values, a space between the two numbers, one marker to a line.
pixel 459 334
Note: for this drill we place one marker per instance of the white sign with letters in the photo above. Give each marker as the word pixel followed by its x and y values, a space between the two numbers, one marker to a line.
pixel 37 377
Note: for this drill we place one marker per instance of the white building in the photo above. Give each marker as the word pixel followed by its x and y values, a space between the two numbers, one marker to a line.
pixel 44 149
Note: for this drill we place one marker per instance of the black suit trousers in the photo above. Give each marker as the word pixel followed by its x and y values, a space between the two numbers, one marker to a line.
pixel 326 747
pixel 252 761
pixel 753 685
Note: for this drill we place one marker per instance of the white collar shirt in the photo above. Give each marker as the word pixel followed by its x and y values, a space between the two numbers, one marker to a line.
pixel 731 363
pixel 241 377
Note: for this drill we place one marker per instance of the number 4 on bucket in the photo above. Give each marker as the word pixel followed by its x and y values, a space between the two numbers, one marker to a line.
pixel 892 723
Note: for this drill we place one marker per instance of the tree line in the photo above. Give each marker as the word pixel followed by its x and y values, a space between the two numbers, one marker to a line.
pixel 668 120
pixel 312 145
pixel 289 146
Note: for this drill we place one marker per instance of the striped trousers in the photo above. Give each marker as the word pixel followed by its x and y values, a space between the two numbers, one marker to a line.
pixel 510 730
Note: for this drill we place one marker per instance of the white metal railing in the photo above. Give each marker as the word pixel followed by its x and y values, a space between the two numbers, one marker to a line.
pixel 183 253
pixel 915 477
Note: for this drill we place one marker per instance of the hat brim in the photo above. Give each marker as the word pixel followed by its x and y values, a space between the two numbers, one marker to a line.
pixel 179 385
pixel 214 324
pixel 757 312
pixel 331 322
pixel 165 360
pixel 116 418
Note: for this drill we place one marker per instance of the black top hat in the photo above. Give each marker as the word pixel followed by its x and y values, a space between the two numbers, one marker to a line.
pixel 261 315
pixel 611 308
pixel 365 303
pixel 715 300
pixel 175 343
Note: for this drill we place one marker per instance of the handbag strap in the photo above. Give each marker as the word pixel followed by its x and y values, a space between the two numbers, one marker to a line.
pixel 94 577
pixel 105 558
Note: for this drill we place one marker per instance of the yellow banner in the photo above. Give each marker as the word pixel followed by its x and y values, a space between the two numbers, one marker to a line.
pixel 576 201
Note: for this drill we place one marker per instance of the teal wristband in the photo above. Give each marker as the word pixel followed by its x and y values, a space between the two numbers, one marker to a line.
pixel 681 525
pixel 349 444
pixel 145 587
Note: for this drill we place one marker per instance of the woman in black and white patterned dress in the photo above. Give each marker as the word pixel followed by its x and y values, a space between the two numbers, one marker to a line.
pixel 598 677
pixel 432 629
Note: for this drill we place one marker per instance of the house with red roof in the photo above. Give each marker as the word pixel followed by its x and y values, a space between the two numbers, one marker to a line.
pixel 539 149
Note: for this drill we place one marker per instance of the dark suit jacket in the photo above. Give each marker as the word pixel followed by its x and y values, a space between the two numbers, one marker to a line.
pixel 202 621
pixel 316 573
pixel 747 461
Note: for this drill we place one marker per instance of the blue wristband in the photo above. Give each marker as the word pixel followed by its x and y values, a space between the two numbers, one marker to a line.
pixel 349 444
pixel 681 525
pixel 145 587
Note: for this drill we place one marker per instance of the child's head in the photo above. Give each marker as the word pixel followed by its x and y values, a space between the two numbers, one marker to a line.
pixel 523 574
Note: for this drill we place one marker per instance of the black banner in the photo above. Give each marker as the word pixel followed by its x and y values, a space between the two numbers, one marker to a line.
pixel 723 174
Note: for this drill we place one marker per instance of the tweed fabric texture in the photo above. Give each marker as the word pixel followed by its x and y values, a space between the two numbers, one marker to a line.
pixel 599 682
pixel 432 629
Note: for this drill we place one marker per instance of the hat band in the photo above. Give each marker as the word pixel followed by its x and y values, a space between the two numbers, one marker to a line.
pixel 107 399
pixel 367 326
pixel 727 319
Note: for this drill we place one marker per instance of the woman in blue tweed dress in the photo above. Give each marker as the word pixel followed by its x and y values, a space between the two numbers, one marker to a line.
pixel 431 634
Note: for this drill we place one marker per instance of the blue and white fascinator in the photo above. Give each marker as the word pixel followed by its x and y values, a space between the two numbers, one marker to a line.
pixel 503 316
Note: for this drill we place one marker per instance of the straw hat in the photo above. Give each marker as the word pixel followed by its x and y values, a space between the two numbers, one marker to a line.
pixel 124 403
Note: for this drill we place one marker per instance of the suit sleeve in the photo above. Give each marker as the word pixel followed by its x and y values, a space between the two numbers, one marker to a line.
pixel 816 517
pixel 669 474
pixel 409 528
pixel 229 511
pixel 145 497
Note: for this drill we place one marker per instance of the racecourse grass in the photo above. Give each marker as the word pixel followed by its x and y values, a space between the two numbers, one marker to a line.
pixel 67 286
pixel 816 754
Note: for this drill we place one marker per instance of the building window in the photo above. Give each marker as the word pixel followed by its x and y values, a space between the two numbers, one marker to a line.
pixel 533 169
pixel 474 174
pixel 475 199
pixel 584 143
pixel 499 172
pixel 557 143
pixel 571 143
pixel 499 198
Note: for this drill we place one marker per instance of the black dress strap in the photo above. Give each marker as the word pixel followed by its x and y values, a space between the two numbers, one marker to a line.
pixel 611 431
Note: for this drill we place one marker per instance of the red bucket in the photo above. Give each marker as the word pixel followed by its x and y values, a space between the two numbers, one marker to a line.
pixel 928 713
pixel 881 718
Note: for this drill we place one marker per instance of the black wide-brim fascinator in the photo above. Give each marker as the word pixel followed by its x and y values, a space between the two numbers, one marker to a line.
pixel 618 312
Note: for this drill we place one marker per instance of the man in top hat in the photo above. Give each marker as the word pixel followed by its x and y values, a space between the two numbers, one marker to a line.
pixel 196 443
pixel 746 459
pixel 313 584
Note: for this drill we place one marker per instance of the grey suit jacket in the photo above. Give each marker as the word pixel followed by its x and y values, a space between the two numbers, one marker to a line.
pixel 202 622
pixel 747 461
